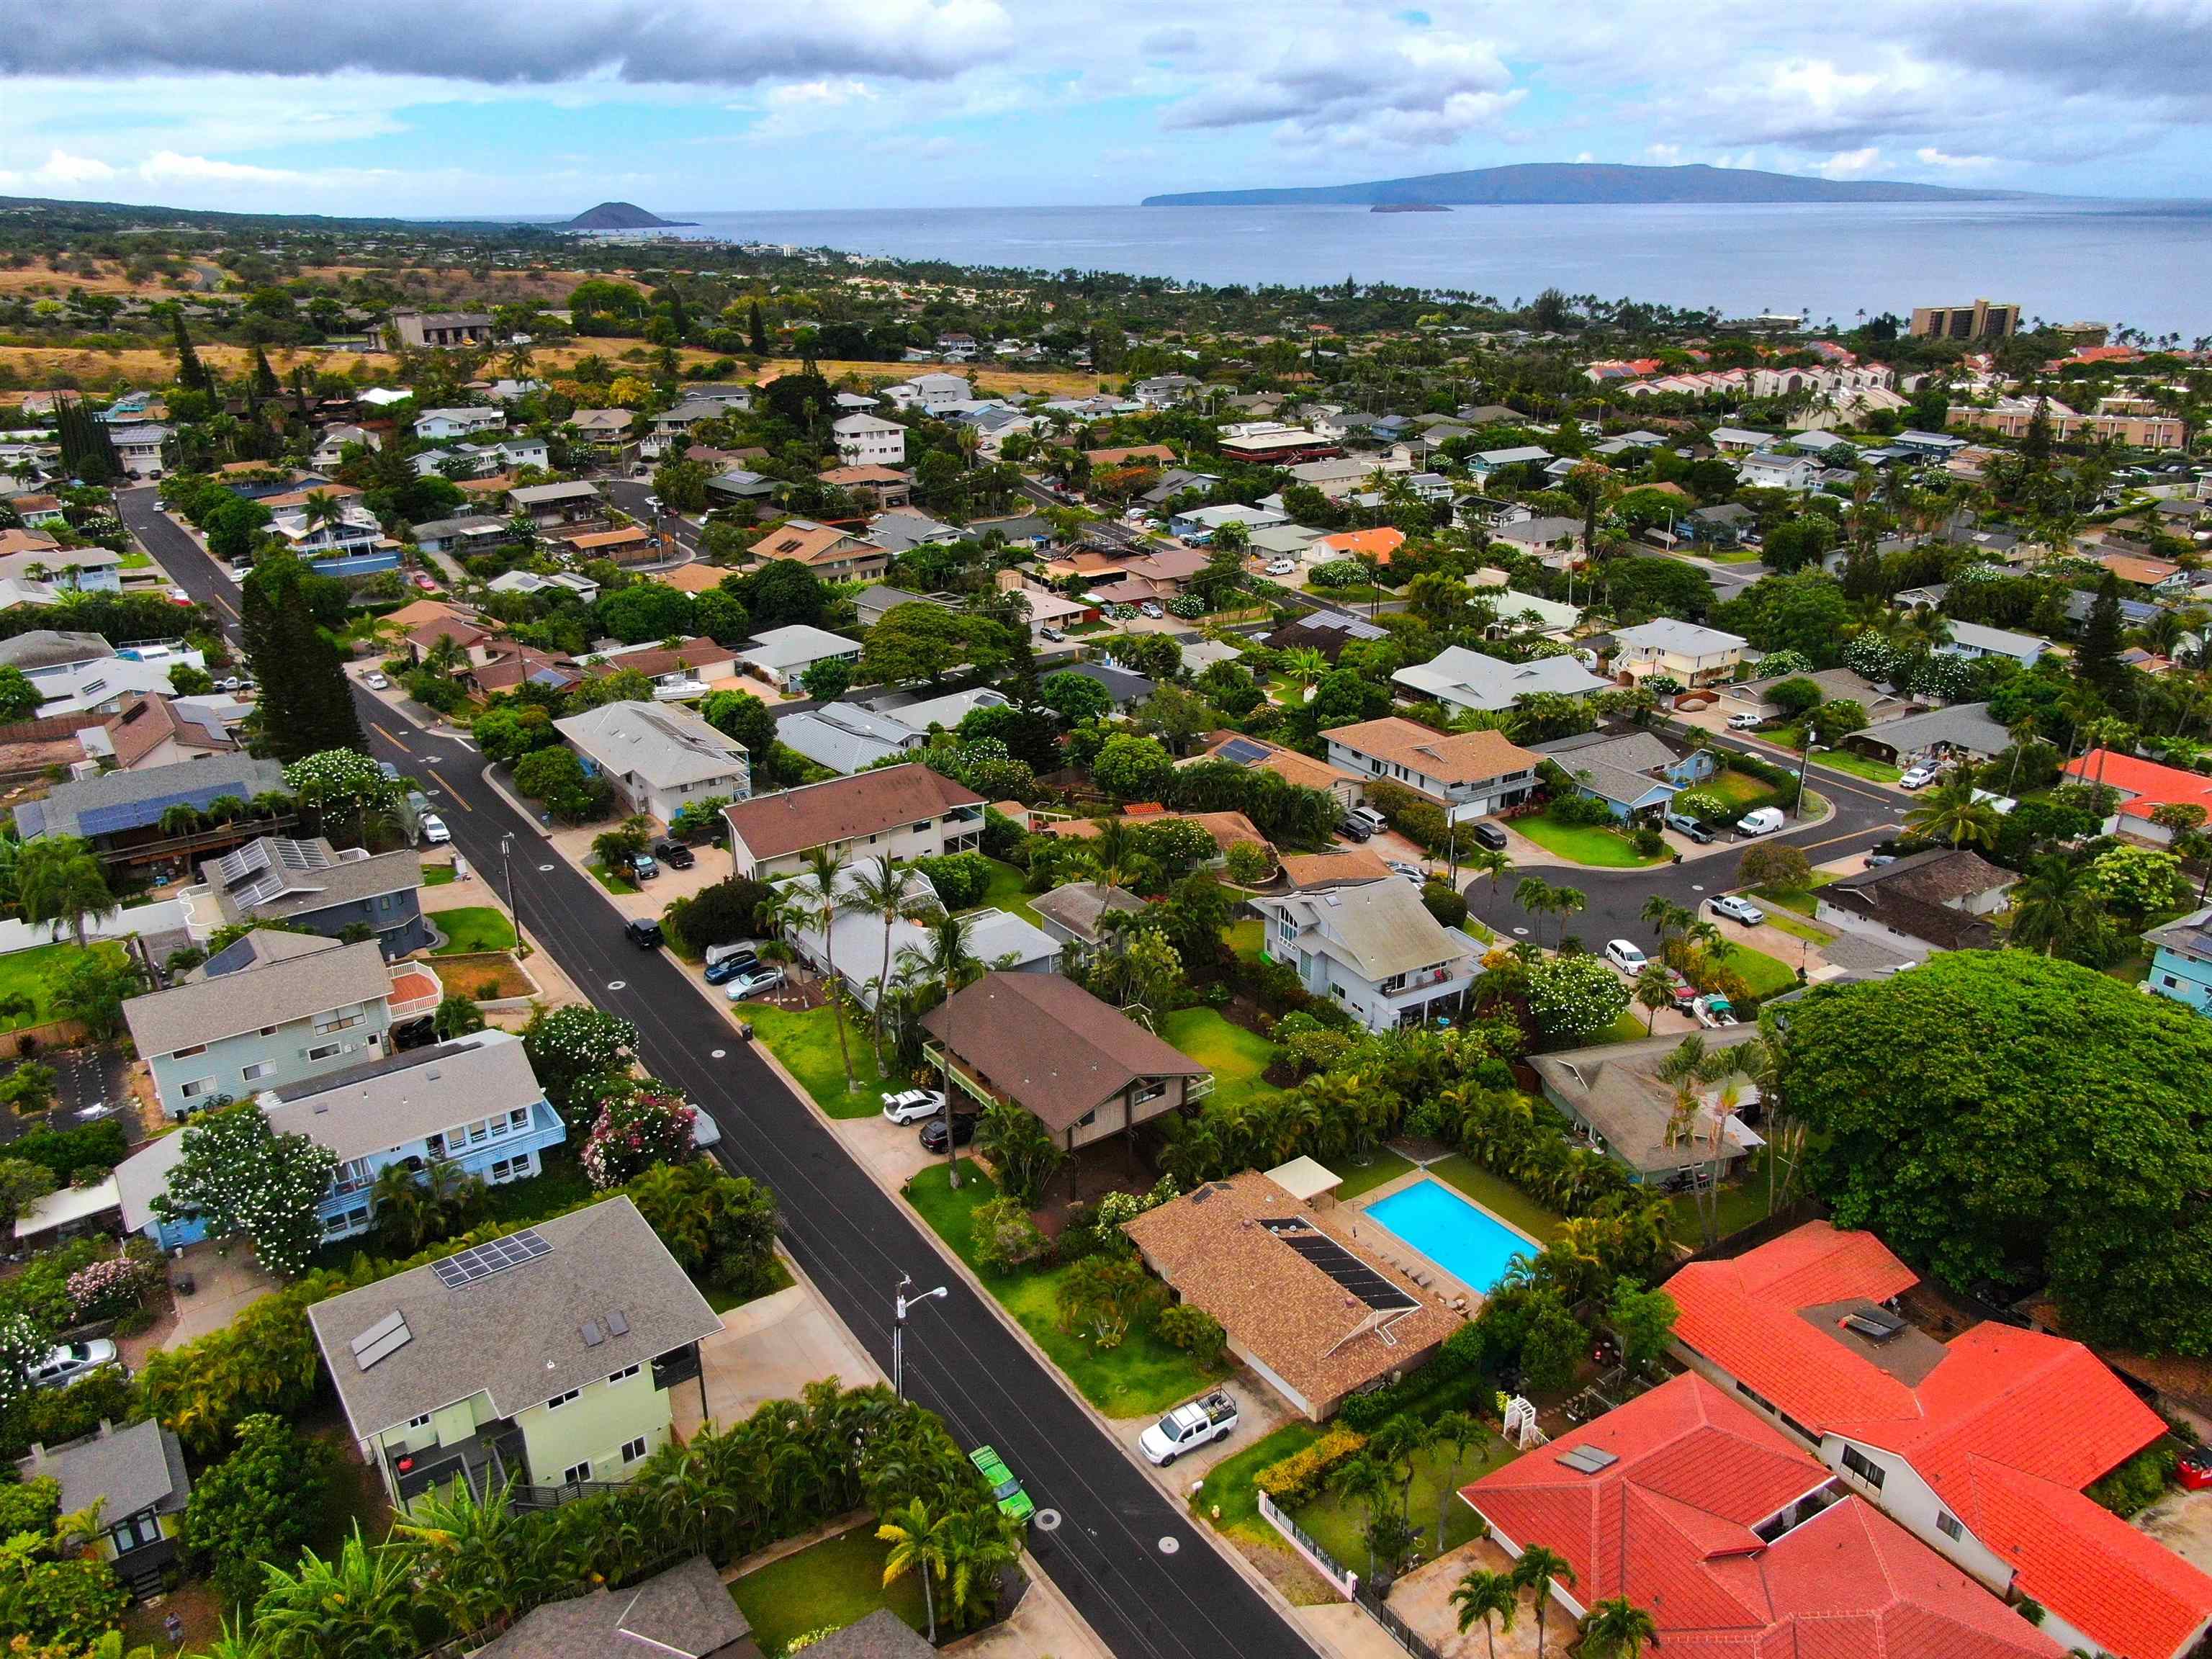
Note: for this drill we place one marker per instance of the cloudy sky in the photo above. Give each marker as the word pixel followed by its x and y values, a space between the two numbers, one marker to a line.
pixel 434 106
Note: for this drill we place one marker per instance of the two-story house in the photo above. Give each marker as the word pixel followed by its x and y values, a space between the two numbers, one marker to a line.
pixel 136 1477
pixel 545 1357
pixel 1684 652
pixel 1472 773
pixel 352 544
pixel 434 424
pixel 1474 681
pixel 658 757
pixel 899 812
pixel 270 1010
pixel 313 884
pixel 120 813
pixel 1633 772
pixel 1372 949
pixel 550 506
pixel 2181 961
pixel 869 440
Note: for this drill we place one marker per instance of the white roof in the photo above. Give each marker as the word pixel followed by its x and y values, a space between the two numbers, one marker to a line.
pixel 144 1176
pixel 947 711
pixel 852 424
pixel 666 746
pixel 786 647
pixel 1304 1179
pixel 1469 677
pixel 1511 603
pixel 2000 640
pixel 1737 434
pixel 71 1204
pixel 1686 639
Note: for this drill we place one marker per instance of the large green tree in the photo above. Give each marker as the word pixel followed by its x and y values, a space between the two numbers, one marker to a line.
pixel 2000 1116
pixel 245 1180
pixel 306 704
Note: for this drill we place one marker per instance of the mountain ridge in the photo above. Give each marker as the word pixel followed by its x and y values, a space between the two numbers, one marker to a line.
pixel 1586 184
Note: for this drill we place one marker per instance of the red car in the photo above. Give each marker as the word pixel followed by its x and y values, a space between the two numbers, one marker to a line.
pixel 426 583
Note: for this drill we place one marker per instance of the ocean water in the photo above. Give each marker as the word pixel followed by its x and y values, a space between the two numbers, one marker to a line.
pixel 2140 264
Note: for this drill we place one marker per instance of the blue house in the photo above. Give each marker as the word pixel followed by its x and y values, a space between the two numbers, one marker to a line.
pixel 474 1103
pixel 2181 966
pixel 1637 775
pixel 313 884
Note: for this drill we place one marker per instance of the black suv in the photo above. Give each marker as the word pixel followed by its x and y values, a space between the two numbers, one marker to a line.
pixel 673 854
pixel 643 933
pixel 1490 835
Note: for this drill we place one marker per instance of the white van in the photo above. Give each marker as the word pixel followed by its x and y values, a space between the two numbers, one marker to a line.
pixel 1764 821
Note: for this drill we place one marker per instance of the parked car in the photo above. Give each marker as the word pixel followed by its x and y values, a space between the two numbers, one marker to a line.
pixel 643 931
pixel 1151 608
pixel 914 1105
pixel 1491 836
pixel 722 972
pixel 1742 722
pixel 1352 829
pixel 1013 1503
pixel 1282 568
pixel 1376 823
pixel 1736 908
pixel 64 1365
pixel 1624 955
pixel 1765 821
pixel 1411 871
pixel 1686 994
pixel 751 984
pixel 749 949
pixel 643 868
pixel 1213 1416
pixel 932 1132
pixel 434 833
pixel 388 771
pixel 375 682
pixel 426 583
pixel 1683 824
pixel 705 1132
pixel 673 854
pixel 1053 635
pixel 1920 776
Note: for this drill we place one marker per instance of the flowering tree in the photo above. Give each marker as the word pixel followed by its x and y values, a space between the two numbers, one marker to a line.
pixel 642 1122
pixel 1872 657
pixel 1572 997
pixel 340 785
pixel 21 1341
pixel 571 1048
pixel 241 1177
pixel 111 1285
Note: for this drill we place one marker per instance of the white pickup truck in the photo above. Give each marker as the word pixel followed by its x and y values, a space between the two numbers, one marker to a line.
pixel 1212 1417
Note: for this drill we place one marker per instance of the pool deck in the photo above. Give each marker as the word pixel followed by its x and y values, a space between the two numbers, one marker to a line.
pixel 1416 1265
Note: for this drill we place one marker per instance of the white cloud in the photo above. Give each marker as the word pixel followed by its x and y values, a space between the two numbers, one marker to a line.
pixel 64 169
pixel 166 166
pixel 1665 155
pixel 1851 163
pixel 1931 157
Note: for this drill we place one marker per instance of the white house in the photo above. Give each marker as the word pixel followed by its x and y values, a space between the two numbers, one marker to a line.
pixel 435 423
pixel 1770 470
pixel 1373 949
pixel 1973 639
pixel 1681 651
pixel 658 757
pixel 870 441
pixel 781 656
pixel 1465 681
pixel 1472 773
pixel 931 392
pixel 857 939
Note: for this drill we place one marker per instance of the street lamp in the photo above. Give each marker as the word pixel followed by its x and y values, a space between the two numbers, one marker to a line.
pixel 901 1302
pixel 1804 766
pixel 506 860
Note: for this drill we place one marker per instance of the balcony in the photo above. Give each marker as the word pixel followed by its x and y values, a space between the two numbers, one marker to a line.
pixel 486 1461
pixel 415 991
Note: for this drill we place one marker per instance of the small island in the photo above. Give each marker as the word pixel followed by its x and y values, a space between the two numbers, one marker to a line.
pixel 1409 207
pixel 622 216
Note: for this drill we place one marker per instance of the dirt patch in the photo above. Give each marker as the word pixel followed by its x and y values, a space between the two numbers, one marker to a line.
pixel 1301 1586
pixel 484 976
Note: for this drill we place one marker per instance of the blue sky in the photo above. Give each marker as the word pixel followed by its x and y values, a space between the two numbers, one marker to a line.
pixel 486 107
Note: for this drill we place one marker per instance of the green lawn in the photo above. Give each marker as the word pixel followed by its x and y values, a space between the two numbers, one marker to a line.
pixel 1859 766
pixel 1797 928
pixel 1627 1026
pixel 826 1586
pixel 1381 1167
pixel 1141 1378
pixel 1763 975
pixel 608 879
pixel 1228 1486
pixel 135 560
pixel 1236 1057
pixel 1775 899
pixel 30 975
pixel 437 875
pixel 1740 1205
pixel 1738 789
pixel 1337 1523
pixel 1577 843
pixel 1006 892
pixel 806 1043
pixel 474 927
pixel 1476 928
pixel 1245 939
pixel 1498 1194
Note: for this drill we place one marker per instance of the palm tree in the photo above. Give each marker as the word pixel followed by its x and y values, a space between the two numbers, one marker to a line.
pixel 58 879
pixel 1653 990
pixel 1664 916
pixel 2053 905
pixel 1951 813
pixel 1618 1629
pixel 1116 852
pixel 1534 895
pixel 1568 902
pixel 1306 668
pixel 1493 1597
pixel 1484 862
pixel 879 886
pixel 826 866
pixel 944 956
pixel 918 1541
pixel 1537 1571
pixel 1456 1433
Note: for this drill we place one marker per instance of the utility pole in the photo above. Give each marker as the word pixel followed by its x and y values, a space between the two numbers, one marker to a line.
pixel 513 915
pixel 900 1304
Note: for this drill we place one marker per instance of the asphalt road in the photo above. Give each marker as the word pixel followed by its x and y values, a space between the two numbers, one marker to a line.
pixel 629 493
pixel 1126 1558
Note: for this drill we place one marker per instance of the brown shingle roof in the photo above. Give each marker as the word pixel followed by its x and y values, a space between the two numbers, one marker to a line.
pixel 1451 757
pixel 1049 1046
pixel 843 808
pixel 1340 869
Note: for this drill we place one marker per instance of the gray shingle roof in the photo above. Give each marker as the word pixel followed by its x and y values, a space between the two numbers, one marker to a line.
pixel 273 993
pixel 1078 907
pixel 668 747
pixel 683 1613
pixel 111 802
pixel 49 647
pixel 131 1469
pixel 314 877
pixel 881 1635
pixel 515 1336
pixel 405 1097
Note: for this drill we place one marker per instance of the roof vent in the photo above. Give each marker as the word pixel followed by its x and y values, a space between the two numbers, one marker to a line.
pixel 592 1333
pixel 1588 1460
pixel 618 1324
pixel 430 1077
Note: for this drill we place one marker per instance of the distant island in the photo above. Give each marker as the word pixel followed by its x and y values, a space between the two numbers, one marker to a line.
pixel 622 216
pixel 1409 207
pixel 1535 182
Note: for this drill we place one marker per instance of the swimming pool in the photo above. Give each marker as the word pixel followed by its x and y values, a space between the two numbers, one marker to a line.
pixel 1470 1244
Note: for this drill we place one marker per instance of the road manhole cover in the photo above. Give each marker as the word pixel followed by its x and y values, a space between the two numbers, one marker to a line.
pixel 718 1053
pixel 1169 1545
pixel 1697 887
pixel 1046 1520
pixel 1520 932
pixel 545 869
pixel 617 984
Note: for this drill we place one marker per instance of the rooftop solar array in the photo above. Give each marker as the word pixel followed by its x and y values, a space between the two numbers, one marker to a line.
pixel 381 1341
pixel 1341 1265
pixel 1241 750
pixel 1588 1460
pixel 482 1260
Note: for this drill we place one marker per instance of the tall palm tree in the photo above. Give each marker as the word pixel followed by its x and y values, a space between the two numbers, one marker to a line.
pixel 2053 905
pixel 918 1541
pixel 1115 850
pixel 827 865
pixel 878 886
pixel 1534 894
pixel 1653 990
pixel 1951 813
pixel 1616 1628
pixel 1537 1571
pixel 1664 916
pixel 1568 902
pixel 1454 1434
pixel 1493 1598
pixel 945 956
pixel 58 879
pixel 1484 862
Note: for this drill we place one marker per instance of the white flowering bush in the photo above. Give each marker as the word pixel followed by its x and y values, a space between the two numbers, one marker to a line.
pixel 21 1342
pixel 1778 663
pixel 245 1180
pixel 1872 657
pixel 1573 997
pixel 572 1048
pixel 114 1286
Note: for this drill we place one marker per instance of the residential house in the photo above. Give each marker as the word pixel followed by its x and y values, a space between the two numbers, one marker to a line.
pixel 419 329
pixel 1973 639
pixel 85 569
pixel 1343 783
pixel 120 813
pixel 1737 1544
pixel 104 684
pixel 1470 682
pixel 595 1324
pixel 1740 440
pixel 37 511
pixel 2181 960
pixel 682 672
pixel 685 1613
pixel 329 454
pixel 555 506
pixel 845 737
pixel 582 589
pixel 2143 785
pixel 861 947
pixel 45 654
pixel 471 532
pixel 1684 652
pixel 351 545
pixel 1635 775
pixel 1964 731
pixel 1308 1308
pixel 136 1477
pixel 882 1635
pixel 1940 899
pixel 1980 1446
pixel 138 448
pixel 1129 455
pixel 781 656
pixel 1836 684
pixel 1372 949
pixel 833 553
pixel 434 425
pixel 1363 546
pixel 1164 391
pixel 1268 443
pixel 1126 690
pixel 629 543
pixel 1771 468
pixel 1722 526
pixel 657 757
pixel 1556 541
pixel 149 732
pixel 1083 1068
pixel 1229 830
pixel 742 484
pixel 932 393
pixel 903 528
pixel 1075 914
pixel 1485 462
pixel 901 813
pixel 1199 523
pixel 869 440
pixel 1515 612
pixel 1616 1095
pixel 271 1009
pixel 1472 773
pixel 1339 866
pixel 313 884
pixel 877 486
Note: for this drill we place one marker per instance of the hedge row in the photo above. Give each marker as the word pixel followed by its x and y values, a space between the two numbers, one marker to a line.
pixel 1294 1479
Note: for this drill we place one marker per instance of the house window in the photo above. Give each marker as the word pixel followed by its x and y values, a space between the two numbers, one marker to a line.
pixel 253 1073
pixel 196 1087
pixel 1857 1462
pixel 624 1374
pixel 632 1449
pixel 560 1399
pixel 186 1053
pixel 1947 1524
pixel 505 1168
pixel 576 1473
pixel 422 1422
pixel 336 1022
pixel 1087 1119
pixel 269 1030
pixel 326 1051
pixel 518 1118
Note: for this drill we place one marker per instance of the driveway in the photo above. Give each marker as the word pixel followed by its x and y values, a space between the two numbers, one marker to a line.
pixel 770 1349
pixel 2182 1520
pixel 1260 1412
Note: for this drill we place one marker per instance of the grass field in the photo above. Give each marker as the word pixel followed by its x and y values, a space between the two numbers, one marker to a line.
pixel 1797 928
pixel 1245 939
pixel 1738 789
pixel 1381 1167
pixel 1236 1057
pixel 472 928
pixel 835 1583
pixel 1859 766
pixel 1762 975
pixel 1006 892
pixel 1499 1196
pixel 29 975
pixel 489 977
pixel 1600 848
pixel 437 875
pixel 1628 1026
pixel 806 1043
pixel 1740 1205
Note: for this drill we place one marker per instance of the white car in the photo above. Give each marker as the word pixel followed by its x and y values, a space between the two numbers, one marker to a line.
pixel 1151 610
pixel 705 1132
pixel 434 833
pixel 1919 777
pixel 1213 1418
pixel 1738 909
pixel 1625 955
pixel 72 1360
pixel 1411 871
pixel 1744 722
pixel 1282 568
pixel 913 1105
pixel 375 682
pixel 753 984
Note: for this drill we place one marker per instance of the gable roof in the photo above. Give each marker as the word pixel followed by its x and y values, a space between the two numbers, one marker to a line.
pixel 1482 681
pixel 1615 1087
pixel 280 876
pixel 1079 905
pixel 666 746
pixel 843 808
pixel 415 1093
pixel 324 975
pixel 124 1470
pixel 1380 928
pixel 110 803
pixel 1448 757
pixel 685 1613
pixel 1049 1046
pixel 1685 638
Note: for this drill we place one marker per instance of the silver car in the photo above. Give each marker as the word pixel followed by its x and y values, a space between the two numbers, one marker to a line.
pixel 1738 909
pixel 913 1105
pixel 64 1365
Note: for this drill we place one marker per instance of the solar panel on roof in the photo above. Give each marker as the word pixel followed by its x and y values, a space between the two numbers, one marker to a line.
pixel 1340 1264
pixel 1588 1460
pixel 381 1341
pixel 1241 750
pixel 482 1261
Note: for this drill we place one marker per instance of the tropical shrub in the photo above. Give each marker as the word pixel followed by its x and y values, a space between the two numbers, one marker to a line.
pixel 257 1505
pixel 112 1286
pixel 961 879
pixel 1292 1479
pixel 1194 1330
pixel 1005 1237
pixel 641 1122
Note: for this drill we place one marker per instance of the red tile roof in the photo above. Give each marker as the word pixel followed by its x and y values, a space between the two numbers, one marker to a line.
pixel 2148 784
pixel 1669 1525
pixel 2006 1426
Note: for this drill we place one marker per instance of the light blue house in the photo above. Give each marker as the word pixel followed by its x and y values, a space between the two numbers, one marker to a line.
pixel 2181 966
pixel 474 1101
pixel 1637 775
